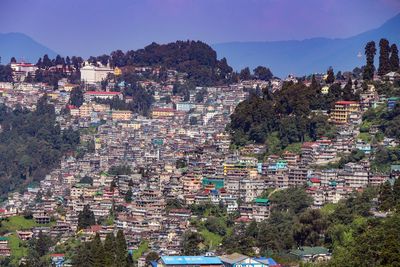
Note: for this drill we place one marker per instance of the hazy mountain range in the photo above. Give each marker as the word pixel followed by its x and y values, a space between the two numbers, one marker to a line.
pixel 310 55
pixel 22 47
pixel 282 57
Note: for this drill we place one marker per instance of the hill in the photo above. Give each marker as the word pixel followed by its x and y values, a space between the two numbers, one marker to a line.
pixel 21 46
pixel 307 56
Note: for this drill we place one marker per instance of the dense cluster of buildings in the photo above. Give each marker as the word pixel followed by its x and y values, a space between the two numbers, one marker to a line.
pixel 180 152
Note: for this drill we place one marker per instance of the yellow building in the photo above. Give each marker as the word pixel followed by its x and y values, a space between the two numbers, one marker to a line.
pixel 340 114
pixel 121 115
pixel 162 113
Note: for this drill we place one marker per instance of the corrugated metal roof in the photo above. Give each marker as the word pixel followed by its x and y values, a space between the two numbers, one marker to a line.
pixel 190 260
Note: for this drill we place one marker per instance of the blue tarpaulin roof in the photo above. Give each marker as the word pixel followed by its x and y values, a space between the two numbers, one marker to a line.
pixel 190 260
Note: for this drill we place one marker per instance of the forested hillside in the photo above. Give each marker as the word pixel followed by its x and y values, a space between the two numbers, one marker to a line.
pixel 195 58
pixel 284 117
pixel 31 144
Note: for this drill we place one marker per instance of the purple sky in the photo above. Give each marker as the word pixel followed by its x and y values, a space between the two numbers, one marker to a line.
pixel 92 27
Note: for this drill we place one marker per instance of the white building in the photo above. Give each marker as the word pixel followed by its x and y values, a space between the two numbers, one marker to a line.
pixel 93 74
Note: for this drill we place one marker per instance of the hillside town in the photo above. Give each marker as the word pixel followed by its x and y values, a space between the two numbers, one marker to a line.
pixel 142 173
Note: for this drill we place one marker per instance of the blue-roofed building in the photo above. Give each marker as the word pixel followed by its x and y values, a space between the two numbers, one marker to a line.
pixel 186 261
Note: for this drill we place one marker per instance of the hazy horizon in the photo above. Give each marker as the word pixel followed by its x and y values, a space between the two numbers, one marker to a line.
pixel 81 28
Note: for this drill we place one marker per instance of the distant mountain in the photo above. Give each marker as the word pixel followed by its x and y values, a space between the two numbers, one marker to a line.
pixel 21 46
pixel 307 56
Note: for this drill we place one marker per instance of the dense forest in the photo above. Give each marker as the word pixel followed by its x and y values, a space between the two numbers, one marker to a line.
pixel 285 117
pixel 195 58
pixel 31 144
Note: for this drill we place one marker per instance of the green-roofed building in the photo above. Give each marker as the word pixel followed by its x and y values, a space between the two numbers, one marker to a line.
pixel 261 201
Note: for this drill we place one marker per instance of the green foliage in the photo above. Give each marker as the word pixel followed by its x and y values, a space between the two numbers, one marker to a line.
pixel 370 51
pixel 151 256
pixel 112 253
pixel 86 218
pixel 31 144
pixel 281 119
pixel 215 225
pixel 6 73
pixel 86 180
pixel 195 58
pixel 294 200
pixel 128 196
pixel 76 97
pixel 192 243
pixel 384 51
pixel 263 73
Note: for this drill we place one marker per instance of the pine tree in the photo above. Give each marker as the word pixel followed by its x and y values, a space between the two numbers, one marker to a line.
pixel 331 76
pixel 369 69
pixel 13 60
pixel 86 218
pixel 109 250
pixel 121 250
pixel 76 97
pixel 97 251
pixel 384 50
pixel 83 256
pixel 394 58
pixel 386 196
pixel 348 91
pixel 128 196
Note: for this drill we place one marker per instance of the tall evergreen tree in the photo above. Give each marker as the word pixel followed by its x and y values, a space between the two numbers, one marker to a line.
pixel 109 250
pixel 128 196
pixel 394 58
pixel 97 251
pixel 386 196
pixel 121 250
pixel 83 256
pixel 348 91
pixel 384 51
pixel 13 60
pixel 369 69
pixel 330 76
pixel 86 218
pixel 76 97
pixel 245 74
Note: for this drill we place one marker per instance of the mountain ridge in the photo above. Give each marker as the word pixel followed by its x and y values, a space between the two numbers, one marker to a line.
pixel 22 47
pixel 309 55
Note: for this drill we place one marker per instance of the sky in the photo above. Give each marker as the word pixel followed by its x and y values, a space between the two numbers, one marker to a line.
pixel 94 27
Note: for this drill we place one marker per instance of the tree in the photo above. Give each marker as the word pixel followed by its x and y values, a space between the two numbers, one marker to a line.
pixel 384 51
pixel 109 250
pixel 245 74
pixel 369 69
pixel 46 62
pixel 330 76
pixel 128 196
pixel 151 256
pixel 97 251
pixel 215 225
pixel 386 198
pixel 86 180
pixel 121 250
pixel 76 97
pixel 348 91
pixel 191 243
pixel 263 73
pixel 13 60
pixel 86 218
pixel 394 58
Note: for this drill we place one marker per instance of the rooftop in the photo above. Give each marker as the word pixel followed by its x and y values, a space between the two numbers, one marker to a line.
pixel 190 260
